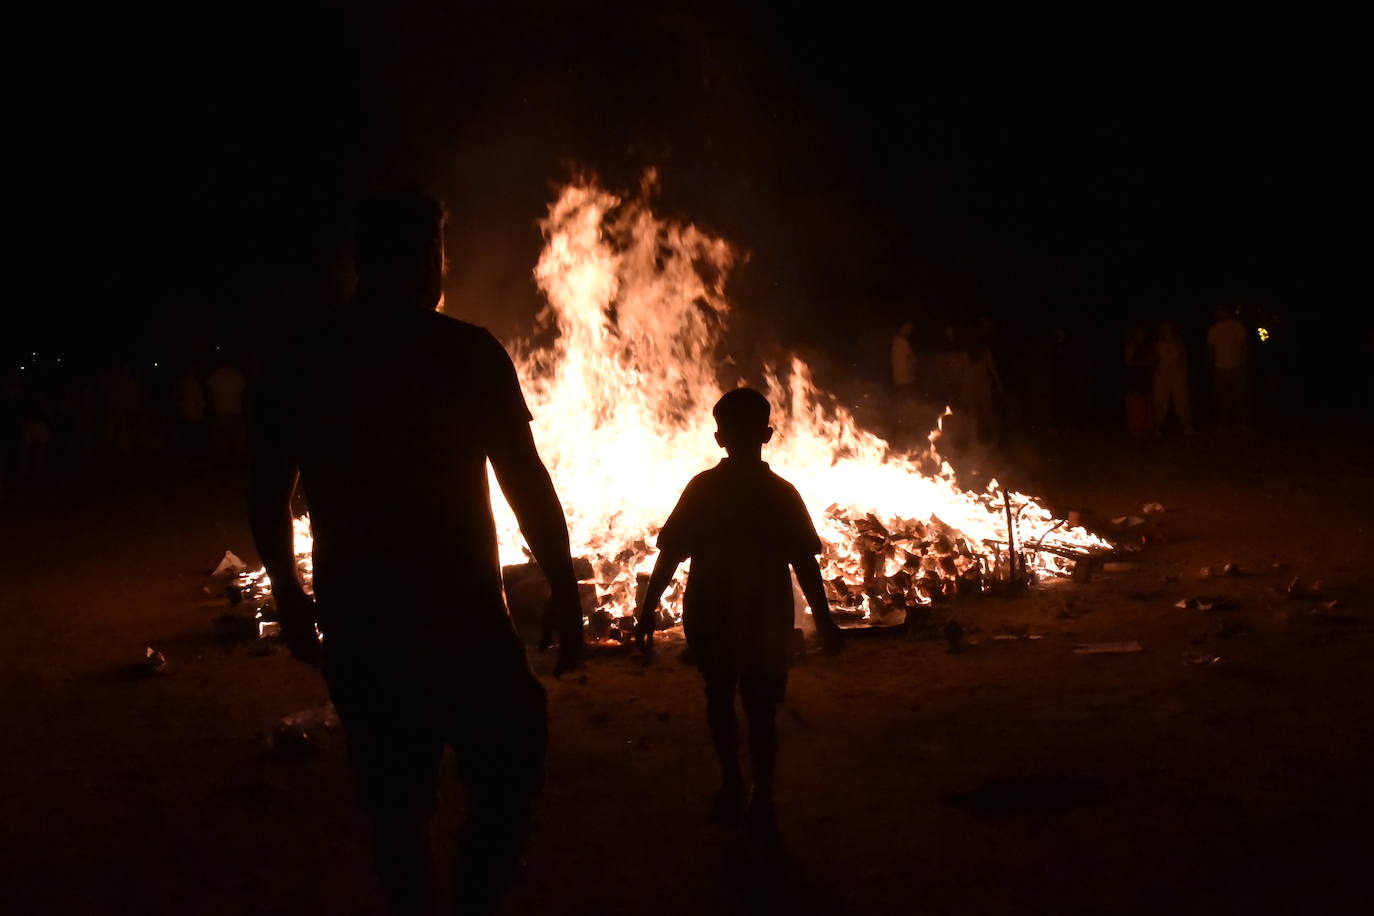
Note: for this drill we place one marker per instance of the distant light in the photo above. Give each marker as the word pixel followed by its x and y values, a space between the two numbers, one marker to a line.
pixel 1263 333
pixel 154 365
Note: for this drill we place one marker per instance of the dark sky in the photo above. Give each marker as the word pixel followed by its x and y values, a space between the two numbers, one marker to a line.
pixel 872 166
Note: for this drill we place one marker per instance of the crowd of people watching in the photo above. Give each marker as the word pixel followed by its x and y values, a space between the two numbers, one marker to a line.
pixel 57 418
pixel 1045 378
pixel 997 381
pixel 1158 383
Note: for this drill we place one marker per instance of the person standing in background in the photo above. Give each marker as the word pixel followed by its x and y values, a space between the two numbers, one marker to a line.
pixel 227 386
pixel 979 384
pixel 904 360
pixel 189 396
pixel 123 396
pixel 1171 380
pixel 1228 350
pixel 1140 365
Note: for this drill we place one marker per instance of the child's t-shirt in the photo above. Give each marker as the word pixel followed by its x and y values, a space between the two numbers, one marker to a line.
pixel 742 526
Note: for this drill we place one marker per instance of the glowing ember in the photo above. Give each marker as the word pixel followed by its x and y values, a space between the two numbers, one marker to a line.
pixel 622 415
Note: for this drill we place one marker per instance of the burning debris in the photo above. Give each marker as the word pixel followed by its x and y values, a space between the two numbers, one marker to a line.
pixel 622 401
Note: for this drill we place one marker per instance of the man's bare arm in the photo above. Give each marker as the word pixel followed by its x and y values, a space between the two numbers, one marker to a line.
pixel 529 490
pixel 271 483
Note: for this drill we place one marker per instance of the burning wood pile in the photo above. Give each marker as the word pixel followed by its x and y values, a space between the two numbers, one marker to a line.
pixel 622 399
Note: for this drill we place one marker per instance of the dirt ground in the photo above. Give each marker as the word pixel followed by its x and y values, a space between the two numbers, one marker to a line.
pixel 1015 777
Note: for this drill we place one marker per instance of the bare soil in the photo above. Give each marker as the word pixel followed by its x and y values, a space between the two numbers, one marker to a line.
pixel 1012 777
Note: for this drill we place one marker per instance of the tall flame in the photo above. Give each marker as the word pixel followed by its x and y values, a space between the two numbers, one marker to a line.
pixel 622 404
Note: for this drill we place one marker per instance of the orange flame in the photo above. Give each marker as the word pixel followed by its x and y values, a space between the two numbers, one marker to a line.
pixel 622 414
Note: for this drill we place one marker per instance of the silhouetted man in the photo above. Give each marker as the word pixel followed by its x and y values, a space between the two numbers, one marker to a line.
pixel 388 413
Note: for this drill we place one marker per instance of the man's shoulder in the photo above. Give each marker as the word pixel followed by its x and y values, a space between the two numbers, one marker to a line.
pixel 459 334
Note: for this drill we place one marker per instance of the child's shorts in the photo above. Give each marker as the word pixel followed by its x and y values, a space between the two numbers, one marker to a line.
pixel 756 685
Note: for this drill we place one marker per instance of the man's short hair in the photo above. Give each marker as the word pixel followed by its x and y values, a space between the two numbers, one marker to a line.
pixel 743 409
pixel 397 226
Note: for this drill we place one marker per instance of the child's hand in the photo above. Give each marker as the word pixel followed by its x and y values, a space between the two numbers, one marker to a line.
pixel 645 625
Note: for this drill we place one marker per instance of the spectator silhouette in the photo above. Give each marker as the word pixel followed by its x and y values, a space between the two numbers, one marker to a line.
pixel 979 383
pixel 227 389
pixel 1228 346
pixel 904 360
pixel 1140 363
pixel 388 413
pixel 1171 379
pixel 742 526
pixel 123 402
pixel 189 396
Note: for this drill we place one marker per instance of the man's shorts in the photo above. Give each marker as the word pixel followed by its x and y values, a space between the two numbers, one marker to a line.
pixel 398 724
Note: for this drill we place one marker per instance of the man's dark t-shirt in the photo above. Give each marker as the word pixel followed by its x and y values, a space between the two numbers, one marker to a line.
pixel 389 418
pixel 743 526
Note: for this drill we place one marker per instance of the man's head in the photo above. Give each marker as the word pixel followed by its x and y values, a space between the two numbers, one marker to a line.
pixel 742 421
pixel 399 250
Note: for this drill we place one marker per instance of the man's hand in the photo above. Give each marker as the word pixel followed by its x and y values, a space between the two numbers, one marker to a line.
pixel 296 611
pixel 563 616
pixel 832 639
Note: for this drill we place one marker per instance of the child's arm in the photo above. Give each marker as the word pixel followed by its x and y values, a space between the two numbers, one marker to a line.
pixel 809 578
pixel 647 613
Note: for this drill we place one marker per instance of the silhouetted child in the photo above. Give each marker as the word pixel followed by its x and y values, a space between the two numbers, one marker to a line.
pixel 742 526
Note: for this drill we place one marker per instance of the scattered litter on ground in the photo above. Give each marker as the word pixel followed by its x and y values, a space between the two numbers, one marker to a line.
pixel 1108 648
pixel 1152 508
pixel 301 732
pixel 229 566
pixel 1203 603
pixel 1300 588
pixel 1201 659
pixel 153 664
pixel 1221 571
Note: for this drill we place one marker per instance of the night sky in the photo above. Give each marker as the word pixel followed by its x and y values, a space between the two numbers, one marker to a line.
pixel 873 167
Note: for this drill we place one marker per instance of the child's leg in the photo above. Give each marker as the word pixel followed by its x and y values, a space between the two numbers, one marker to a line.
pixel 720 714
pixel 762 693
pixel 761 708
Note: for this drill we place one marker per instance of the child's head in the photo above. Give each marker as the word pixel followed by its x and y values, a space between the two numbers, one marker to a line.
pixel 742 421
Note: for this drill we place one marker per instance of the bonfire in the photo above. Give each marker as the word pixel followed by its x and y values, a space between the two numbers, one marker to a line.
pixel 636 308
